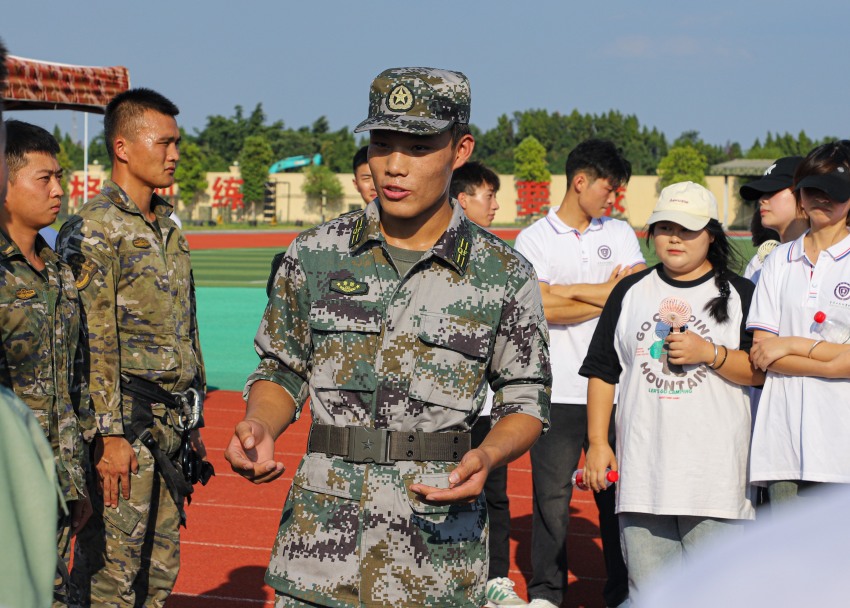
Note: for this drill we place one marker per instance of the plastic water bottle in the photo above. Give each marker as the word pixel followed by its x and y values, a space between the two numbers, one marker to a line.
pixel 831 330
pixel 578 479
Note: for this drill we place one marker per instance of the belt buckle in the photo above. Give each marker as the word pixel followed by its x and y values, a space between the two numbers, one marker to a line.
pixel 367 445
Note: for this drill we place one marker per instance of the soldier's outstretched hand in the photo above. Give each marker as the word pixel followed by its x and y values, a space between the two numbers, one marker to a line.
pixel 251 452
pixel 466 482
pixel 114 460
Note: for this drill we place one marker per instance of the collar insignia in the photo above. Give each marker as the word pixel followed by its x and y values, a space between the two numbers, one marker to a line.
pixel 357 231
pixel 461 253
pixel 400 99
pixel 349 287
pixel 141 243
pixel 25 294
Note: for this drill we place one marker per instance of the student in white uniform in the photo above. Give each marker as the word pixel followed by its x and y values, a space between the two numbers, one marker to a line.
pixel 579 255
pixel 801 435
pixel 776 211
pixel 682 434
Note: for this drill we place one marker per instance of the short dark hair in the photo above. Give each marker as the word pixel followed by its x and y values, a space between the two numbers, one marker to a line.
pixel 470 176
pixel 599 159
pixel 23 138
pixel 127 108
pixel 459 129
pixel 361 157
pixel 4 76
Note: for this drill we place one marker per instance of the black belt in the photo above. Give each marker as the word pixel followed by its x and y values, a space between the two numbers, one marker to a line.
pixel 151 392
pixel 362 444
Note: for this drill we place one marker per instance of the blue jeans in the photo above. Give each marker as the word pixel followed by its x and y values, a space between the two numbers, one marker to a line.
pixel 654 544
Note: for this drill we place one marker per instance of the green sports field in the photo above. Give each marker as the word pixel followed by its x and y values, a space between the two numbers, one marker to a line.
pixel 231 299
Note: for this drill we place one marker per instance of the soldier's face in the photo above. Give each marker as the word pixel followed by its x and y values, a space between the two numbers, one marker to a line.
pixel 364 184
pixel 412 173
pixel 151 151
pixel 34 196
pixel 481 205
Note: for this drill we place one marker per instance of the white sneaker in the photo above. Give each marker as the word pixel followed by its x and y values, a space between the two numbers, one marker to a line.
pixel 500 592
pixel 541 603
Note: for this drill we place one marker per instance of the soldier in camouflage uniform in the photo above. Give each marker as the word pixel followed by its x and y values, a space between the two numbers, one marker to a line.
pixel 134 276
pixel 393 320
pixel 43 351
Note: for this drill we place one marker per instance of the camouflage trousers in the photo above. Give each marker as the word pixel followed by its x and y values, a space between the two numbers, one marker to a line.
pixel 129 557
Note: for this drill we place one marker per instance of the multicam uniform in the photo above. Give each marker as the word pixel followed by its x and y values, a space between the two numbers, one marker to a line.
pixel 136 286
pixel 408 353
pixel 42 358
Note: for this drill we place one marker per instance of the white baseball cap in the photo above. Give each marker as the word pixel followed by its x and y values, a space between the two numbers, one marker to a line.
pixel 687 204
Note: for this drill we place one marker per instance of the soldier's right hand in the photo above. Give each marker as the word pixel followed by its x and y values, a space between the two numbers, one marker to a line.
pixel 114 460
pixel 251 453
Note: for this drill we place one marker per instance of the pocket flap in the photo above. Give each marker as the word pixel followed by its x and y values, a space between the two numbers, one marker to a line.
pixel 467 336
pixel 341 314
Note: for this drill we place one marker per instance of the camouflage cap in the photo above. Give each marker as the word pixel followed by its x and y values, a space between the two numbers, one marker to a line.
pixel 423 101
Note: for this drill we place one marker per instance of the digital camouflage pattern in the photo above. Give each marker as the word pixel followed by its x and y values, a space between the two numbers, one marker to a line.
pixel 135 282
pixel 43 354
pixel 417 352
pixel 423 101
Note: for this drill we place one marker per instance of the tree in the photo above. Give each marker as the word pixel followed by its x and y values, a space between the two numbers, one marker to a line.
pixel 323 190
pixel 530 161
pixel 191 174
pixel 255 158
pixel 682 164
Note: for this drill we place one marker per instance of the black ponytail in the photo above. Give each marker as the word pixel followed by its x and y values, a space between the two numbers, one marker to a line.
pixel 726 260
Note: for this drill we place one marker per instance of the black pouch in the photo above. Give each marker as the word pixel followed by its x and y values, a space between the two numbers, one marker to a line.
pixel 195 469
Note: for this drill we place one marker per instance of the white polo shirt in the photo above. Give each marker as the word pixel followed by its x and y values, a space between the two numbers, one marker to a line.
pixel 564 256
pixel 802 426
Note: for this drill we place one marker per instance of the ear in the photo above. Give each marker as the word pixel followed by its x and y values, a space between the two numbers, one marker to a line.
pixel 580 181
pixel 463 150
pixel 119 148
pixel 461 198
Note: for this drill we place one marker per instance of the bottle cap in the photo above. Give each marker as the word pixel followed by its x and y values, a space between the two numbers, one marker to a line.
pixel 820 316
pixel 612 476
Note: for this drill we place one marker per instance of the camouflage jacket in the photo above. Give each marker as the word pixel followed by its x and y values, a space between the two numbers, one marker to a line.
pixel 43 354
pixel 416 352
pixel 135 282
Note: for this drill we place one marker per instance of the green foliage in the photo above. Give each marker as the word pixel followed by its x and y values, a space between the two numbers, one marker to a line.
pixel 191 174
pixel 776 145
pixel 683 163
pixel 323 190
pixel 98 153
pixel 530 161
pixel 255 158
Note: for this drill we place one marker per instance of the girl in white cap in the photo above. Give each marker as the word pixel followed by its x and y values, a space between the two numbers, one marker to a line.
pixel 802 424
pixel 683 417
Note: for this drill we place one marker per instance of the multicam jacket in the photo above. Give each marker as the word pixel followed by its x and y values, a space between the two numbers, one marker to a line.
pixel 416 352
pixel 135 282
pixel 43 353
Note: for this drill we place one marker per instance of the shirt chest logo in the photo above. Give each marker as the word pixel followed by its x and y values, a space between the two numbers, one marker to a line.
pixel 141 243
pixel 25 293
pixel 349 287
pixel 604 252
pixel 842 291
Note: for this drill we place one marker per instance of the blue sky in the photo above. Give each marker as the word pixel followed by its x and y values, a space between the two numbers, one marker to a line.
pixel 731 70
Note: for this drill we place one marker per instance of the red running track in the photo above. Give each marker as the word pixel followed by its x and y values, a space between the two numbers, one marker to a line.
pixel 232 524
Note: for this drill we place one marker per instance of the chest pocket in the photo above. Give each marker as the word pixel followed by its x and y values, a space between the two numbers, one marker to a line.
pixel 345 340
pixel 450 361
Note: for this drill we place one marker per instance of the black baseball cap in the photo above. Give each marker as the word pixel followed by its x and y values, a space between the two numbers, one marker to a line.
pixel 778 176
pixel 835 184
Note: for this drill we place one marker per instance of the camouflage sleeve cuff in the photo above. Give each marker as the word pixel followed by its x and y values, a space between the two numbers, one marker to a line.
pixel 291 382
pixel 530 399
pixel 109 424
